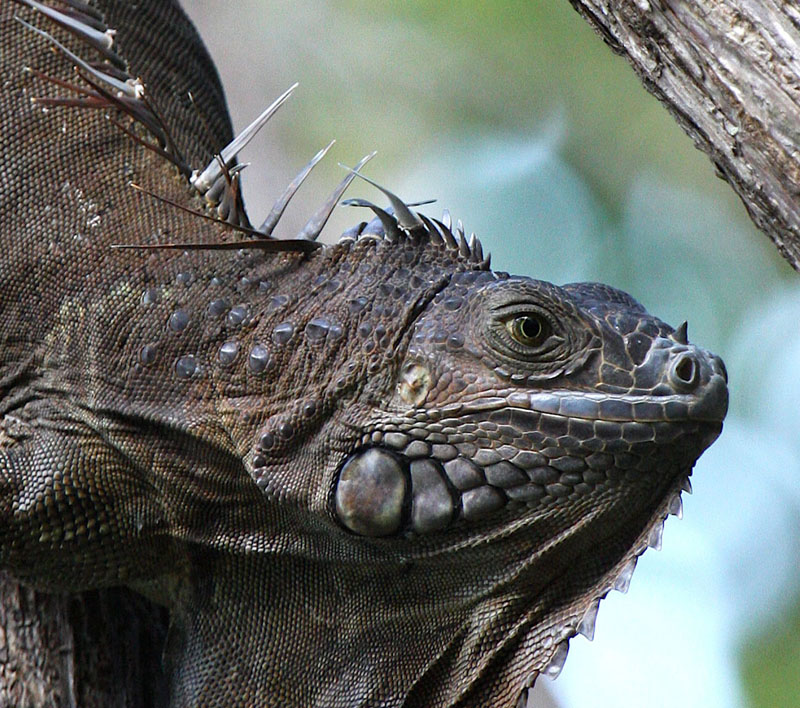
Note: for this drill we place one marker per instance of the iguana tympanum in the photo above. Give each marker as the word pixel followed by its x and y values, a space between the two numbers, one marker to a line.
pixel 374 473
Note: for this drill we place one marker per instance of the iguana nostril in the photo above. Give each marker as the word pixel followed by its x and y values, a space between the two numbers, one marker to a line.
pixel 685 371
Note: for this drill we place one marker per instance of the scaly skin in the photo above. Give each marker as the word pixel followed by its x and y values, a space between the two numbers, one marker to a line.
pixel 376 474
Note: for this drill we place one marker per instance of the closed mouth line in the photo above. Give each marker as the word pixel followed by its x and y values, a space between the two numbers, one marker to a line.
pixel 616 408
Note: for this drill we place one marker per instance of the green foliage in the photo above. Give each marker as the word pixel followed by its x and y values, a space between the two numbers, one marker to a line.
pixel 771 665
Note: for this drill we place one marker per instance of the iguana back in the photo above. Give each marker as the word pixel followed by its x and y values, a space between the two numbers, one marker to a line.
pixel 64 197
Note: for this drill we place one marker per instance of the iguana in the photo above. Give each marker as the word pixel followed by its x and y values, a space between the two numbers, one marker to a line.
pixel 374 473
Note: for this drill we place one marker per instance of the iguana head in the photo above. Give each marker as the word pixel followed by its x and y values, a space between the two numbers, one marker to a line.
pixel 504 451
pixel 518 400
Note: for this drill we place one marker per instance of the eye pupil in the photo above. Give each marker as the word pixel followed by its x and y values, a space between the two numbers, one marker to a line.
pixel 529 330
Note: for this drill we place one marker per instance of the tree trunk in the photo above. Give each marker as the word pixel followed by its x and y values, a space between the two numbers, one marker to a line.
pixel 96 650
pixel 729 72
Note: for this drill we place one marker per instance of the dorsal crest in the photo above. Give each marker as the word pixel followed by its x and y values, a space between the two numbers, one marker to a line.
pixel 111 85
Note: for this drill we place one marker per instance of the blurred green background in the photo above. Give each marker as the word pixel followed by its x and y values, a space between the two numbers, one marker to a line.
pixel 517 118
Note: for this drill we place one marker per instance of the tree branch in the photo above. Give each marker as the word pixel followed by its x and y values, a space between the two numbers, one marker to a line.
pixel 729 72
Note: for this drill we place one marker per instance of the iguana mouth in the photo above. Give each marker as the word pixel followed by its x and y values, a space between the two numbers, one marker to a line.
pixel 426 487
pixel 632 408
pixel 463 463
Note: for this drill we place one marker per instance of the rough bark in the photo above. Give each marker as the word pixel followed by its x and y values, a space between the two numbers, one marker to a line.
pixel 729 72
pixel 100 649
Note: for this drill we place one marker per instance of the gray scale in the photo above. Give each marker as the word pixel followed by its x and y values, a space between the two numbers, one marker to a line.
pixel 486 456
pixel 370 493
pixel 455 341
pixel 179 320
pixel 237 315
pixel 317 329
pixel 615 409
pixel 552 451
pixel 259 359
pixel 217 308
pixel 558 490
pixel 594 477
pixel 507 451
pixel 526 493
pixel 186 367
pixel 467 449
pixel 542 475
pixel 568 464
pixel 570 479
pixel 396 440
pixel 228 353
pixel 357 305
pixel 636 432
pixel 453 303
pixel 444 452
pixel 480 502
pixel 504 474
pixel 526 460
pixel 417 448
pixel 431 502
pixel 277 302
pixel 282 333
pixel 150 296
pixel 464 474
pixel 599 460
pixel 147 354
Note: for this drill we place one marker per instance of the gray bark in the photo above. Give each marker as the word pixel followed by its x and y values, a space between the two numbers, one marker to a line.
pixel 100 649
pixel 729 72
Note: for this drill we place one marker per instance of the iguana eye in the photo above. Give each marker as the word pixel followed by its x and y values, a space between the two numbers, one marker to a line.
pixel 529 329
